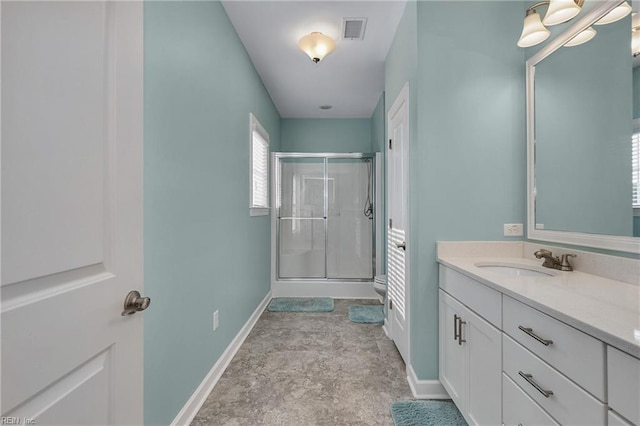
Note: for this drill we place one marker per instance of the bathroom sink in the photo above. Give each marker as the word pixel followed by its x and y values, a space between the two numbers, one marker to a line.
pixel 514 269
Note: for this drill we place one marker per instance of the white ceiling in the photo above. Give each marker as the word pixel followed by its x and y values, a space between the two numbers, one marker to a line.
pixel 350 79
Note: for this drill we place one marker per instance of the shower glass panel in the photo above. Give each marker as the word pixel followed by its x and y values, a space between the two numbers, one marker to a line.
pixel 325 227
pixel 350 218
pixel 302 229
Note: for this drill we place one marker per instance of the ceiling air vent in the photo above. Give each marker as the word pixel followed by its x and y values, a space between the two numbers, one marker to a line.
pixel 353 28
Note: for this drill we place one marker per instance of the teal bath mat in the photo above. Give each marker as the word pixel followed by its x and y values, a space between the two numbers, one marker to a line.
pixel 426 413
pixel 366 314
pixel 301 304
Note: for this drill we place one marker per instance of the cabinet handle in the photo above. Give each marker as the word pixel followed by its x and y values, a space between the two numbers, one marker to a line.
pixel 529 379
pixel 460 339
pixel 456 318
pixel 529 331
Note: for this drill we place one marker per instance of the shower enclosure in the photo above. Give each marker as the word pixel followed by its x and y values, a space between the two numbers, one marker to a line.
pixel 324 216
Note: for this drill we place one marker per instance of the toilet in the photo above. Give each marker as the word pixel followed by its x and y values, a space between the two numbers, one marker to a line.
pixel 380 284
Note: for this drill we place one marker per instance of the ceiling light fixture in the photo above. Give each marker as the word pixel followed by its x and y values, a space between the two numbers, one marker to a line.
pixel 316 45
pixel 615 15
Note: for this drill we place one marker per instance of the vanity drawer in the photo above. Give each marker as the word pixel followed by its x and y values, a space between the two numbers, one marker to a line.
pixel 481 299
pixel 568 404
pixel 519 409
pixel 576 354
pixel 624 384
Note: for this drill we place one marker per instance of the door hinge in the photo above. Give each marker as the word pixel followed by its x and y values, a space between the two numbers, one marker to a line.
pixel 390 144
pixel 390 224
pixel 390 303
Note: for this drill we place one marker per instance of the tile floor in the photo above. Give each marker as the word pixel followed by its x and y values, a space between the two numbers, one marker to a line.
pixel 309 369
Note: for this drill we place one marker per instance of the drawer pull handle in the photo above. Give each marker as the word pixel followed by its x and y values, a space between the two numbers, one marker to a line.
pixel 529 379
pixel 530 332
pixel 460 323
pixel 456 318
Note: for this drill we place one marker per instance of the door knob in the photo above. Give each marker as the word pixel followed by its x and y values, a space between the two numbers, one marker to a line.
pixel 135 303
pixel 402 245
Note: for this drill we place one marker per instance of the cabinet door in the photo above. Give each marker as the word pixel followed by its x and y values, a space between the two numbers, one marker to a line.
pixel 483 344
pixel 452 355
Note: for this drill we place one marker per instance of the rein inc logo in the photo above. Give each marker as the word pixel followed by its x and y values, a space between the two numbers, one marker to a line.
pixel 8 420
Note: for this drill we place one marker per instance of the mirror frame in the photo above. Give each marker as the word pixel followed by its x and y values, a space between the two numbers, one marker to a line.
pixel 609 242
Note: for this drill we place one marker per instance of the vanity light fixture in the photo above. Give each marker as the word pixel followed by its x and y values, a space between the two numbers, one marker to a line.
pixel 635 34
pixel 559 11
pixel 615 15
pixel 583 37
pixel 316 45
pixel 533 32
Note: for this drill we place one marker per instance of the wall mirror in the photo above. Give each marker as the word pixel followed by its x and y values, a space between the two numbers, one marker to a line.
pixel 580 132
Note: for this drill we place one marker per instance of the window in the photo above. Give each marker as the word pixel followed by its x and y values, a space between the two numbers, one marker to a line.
pixel 259 154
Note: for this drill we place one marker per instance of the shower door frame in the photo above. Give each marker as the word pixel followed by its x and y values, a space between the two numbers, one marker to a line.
pixel 277 156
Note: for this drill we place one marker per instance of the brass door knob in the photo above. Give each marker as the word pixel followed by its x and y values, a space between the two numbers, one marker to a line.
pixel 134 302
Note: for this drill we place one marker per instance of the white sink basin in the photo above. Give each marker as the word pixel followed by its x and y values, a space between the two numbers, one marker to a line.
pixel 515 270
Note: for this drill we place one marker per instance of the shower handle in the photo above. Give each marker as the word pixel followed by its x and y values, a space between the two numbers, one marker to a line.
pixel 402 245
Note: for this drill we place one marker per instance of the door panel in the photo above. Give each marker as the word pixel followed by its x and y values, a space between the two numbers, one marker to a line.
pixel 397 235
pixel 452 354
pixel 71 211
pixel 349 222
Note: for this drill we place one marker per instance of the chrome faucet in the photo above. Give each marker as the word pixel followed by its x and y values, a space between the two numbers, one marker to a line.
pixel 550 261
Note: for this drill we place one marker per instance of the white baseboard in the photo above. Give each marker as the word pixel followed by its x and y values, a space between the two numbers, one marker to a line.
pixel 336 290
pixel 190 409
pixel 425 389
pixel 385 328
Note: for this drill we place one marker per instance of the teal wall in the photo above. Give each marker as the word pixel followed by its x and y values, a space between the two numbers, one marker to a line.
pixel 636 92
pixel 378 137
pixel 467 142
pixel 326 135
pixel 583 98
pixel 378 126
pixel 203 252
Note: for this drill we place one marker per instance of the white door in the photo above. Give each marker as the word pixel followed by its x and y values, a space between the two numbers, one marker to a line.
pixel 397 163
pixel 71 212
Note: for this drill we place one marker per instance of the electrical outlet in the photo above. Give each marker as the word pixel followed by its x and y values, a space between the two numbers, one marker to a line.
pixel 216 321
pixel 513 230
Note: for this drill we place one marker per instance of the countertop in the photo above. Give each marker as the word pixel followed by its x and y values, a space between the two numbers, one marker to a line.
pixel 606 309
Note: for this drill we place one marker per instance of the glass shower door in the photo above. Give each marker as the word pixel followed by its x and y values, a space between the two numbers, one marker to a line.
pixel 301 218
pixel 350 218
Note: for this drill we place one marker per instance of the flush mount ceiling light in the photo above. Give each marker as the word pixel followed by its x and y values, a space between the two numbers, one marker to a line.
pixel 316 45
pixel 559 11
pixel 582 37
pixel 616 14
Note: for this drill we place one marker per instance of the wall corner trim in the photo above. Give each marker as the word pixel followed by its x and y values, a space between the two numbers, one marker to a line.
pixel 425 389
pixel 195 402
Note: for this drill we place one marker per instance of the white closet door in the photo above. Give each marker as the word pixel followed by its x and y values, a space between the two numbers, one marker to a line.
pixel 397 163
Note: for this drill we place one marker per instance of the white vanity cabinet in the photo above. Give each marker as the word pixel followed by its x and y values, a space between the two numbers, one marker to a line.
pixel 471 359
pixel 624 387
pixel 505 362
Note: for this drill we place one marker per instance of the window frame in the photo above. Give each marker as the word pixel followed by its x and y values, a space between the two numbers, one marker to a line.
pixel 255 126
